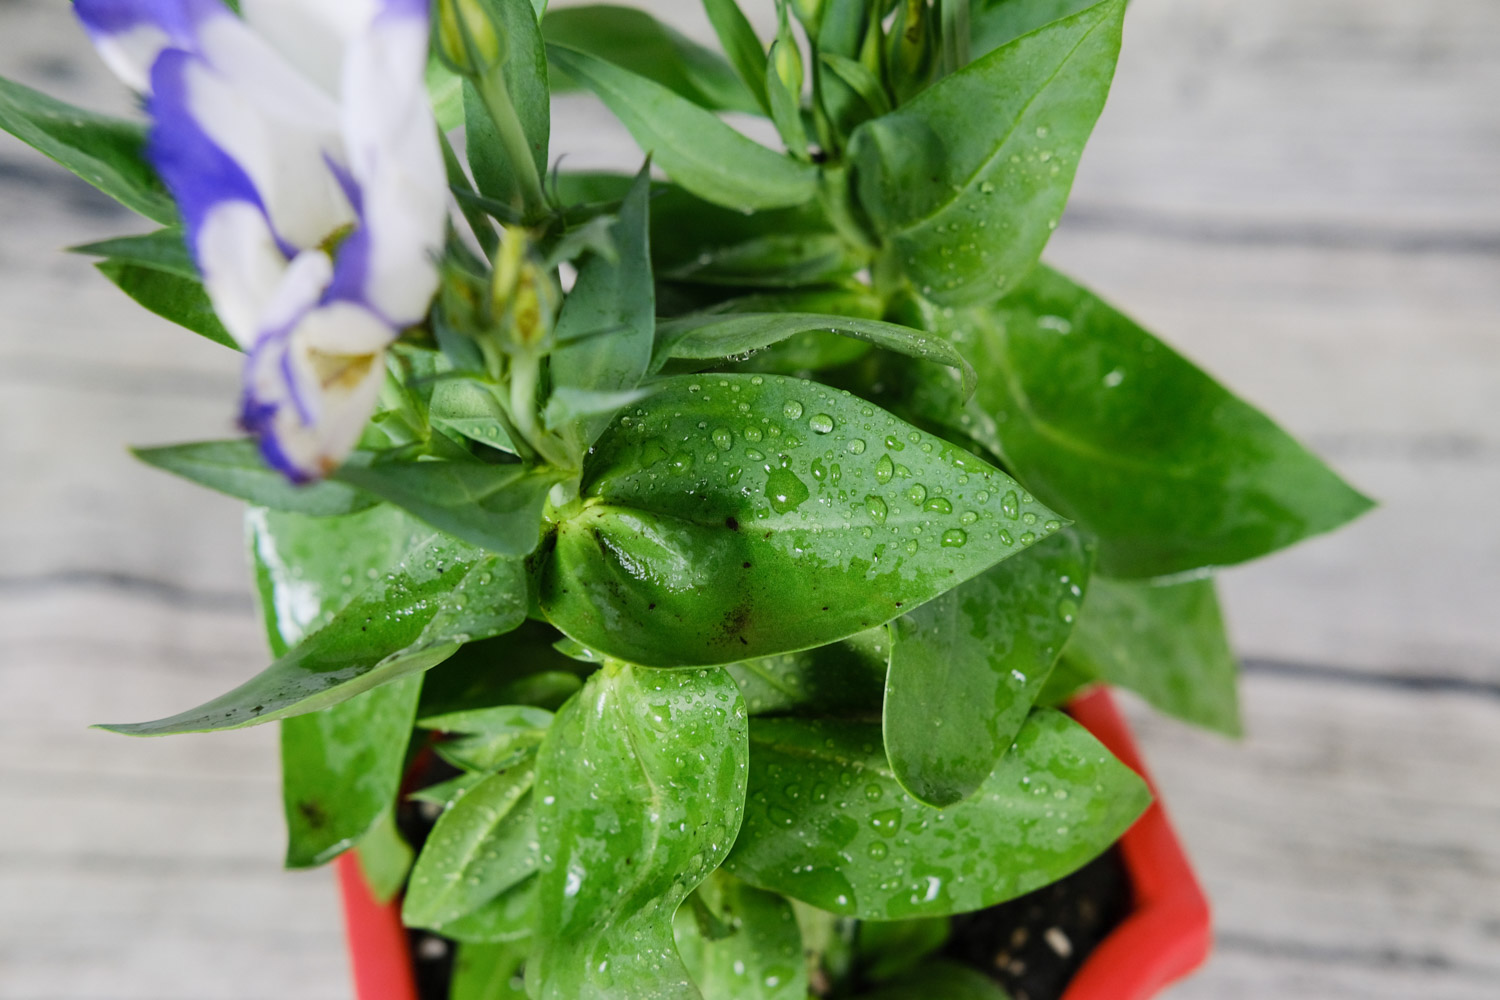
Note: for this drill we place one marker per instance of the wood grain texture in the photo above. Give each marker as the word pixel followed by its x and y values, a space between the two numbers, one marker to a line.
pixel 1303 197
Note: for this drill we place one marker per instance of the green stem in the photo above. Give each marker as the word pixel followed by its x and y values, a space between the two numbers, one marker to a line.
pixel 496 97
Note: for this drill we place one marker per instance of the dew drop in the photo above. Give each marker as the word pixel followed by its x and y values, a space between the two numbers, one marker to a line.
pixel 1009 506
pixel 940 505
pixel 752 434
pixel 884 469
pixel 821 423
pixel 856 446
pixel 792 409
pixel 954 538
pixel 1067 610
pixel 784 490
pixel 876 507
pixel 916 493
pixel 723 438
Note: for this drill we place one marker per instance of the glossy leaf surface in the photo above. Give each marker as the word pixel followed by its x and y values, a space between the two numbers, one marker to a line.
pixel 236 468
pixel 439 594
pixel 967 665
pixel 760 956
pixel 640 788
pixel 1166 643
pixel 108 153
pixel 740 44
pixel 966 182
pixel 827 823
pixel 1116 430
pixel 162 250
pixel 488 972
pixel 385 857
pixel 496 507
pixel 689 143
pixel 482 845
pixel 719 335
pixel 341 769
pixel 634 40
pixel 737 516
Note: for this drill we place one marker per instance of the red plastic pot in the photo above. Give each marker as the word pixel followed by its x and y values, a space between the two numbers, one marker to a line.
pixel 1166 935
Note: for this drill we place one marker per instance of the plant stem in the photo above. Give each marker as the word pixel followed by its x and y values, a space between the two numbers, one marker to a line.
pixel 496 97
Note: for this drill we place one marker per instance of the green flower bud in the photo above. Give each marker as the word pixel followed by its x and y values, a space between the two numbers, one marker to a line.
pixel 468 38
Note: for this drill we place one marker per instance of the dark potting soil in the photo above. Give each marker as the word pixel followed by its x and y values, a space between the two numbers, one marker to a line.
pixel 1034 944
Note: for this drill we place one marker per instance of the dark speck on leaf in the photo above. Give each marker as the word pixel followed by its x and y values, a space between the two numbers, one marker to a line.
pixel 311 811
pixel 747 565
pixel 732 523
pixel 651 606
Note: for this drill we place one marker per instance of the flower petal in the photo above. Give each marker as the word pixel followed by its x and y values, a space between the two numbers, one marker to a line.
pixel 390 137
pixel 311 35
pixel 130 34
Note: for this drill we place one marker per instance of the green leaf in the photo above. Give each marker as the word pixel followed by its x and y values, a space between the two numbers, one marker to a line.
pixel 162 250
pixel 843 29
pixel 889 948
pixel 966 183
pixel 492 751
pixel 640 787
pixel 414 614
pixel 738 39
pixel 510 916
pixel 736 516
pixel 693 240
pixel 719 335
pixel 634 40
pixel 488 972
pixel 947 980
pixel 237 469
pixel 861 79
pixel 108 153
pixel 614 295
pixel 170 296
pixel 341 769
pixel 761 956
pixel 525 76
pixel 993 23
pixel 471 409
pixel 385 857
pixel 484 844
pixel 519 668
pixel 689 143
pixel 1113 428
pixel 1165 642
pixel 966 667
pixel 841 678
pixel 954 31
pixel 496 507
pixel 843 836
pixel 492 721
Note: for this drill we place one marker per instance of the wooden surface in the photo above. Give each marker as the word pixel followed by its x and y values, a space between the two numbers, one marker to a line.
pixel 1303 196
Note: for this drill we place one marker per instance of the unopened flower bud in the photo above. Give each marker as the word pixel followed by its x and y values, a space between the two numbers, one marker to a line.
pixel 468 38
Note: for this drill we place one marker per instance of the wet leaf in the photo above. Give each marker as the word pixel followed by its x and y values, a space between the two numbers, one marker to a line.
pixel 966 667
pixel 737 516
pixel 1116 430
pixel 437 595
pixel 640 786
pixel 719 335
pixel 827 823
pixel 965 183
pixel 759 956
pixel 481 846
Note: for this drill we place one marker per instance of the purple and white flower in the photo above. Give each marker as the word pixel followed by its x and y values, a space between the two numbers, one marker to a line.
pixel 301 148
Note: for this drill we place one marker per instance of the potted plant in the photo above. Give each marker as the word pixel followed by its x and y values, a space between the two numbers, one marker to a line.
pixel 673 584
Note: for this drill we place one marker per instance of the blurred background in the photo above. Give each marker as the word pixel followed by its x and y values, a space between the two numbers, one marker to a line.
pixel 1303 197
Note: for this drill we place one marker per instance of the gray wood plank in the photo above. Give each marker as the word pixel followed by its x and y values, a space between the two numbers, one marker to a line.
pixel 1300 196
